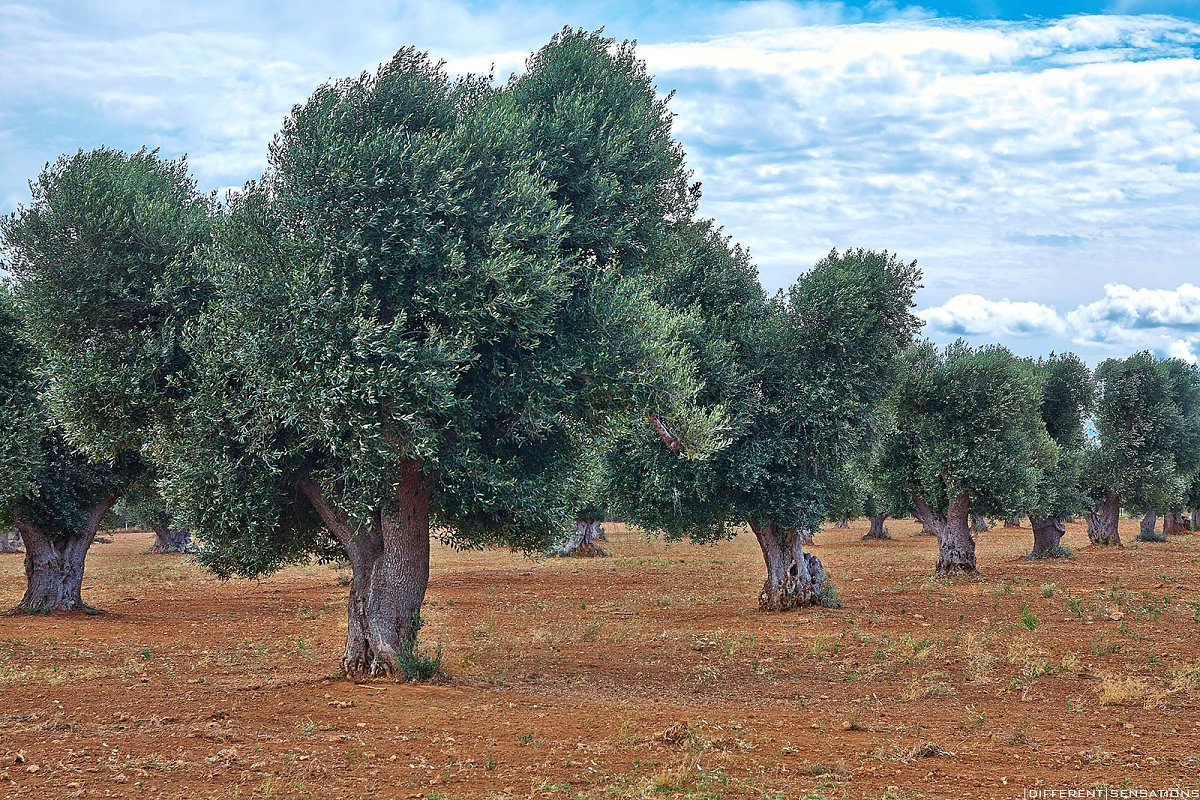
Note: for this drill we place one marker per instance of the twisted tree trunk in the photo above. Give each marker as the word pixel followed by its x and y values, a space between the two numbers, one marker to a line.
pixel 1047 533
pixel 582 543
pixel 1174 523
pixel 956 546
pixel 794 578
pixel 842 523
pixel 1012 522
pixel 1148 524
pixel 979 523
pixel 10 542
pixel 1196 519
pixel 54 564
pixel 389 562
pixel 169 541
pixel 1102 521
pixel 877 530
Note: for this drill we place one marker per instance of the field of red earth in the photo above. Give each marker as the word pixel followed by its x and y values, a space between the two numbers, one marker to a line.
pixel 647 674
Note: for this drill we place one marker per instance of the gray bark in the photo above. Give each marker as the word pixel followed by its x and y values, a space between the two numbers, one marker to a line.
pixel 1102 522
pixel 54 565
pixel 979 523
pixel 842 523
pixel 794 578
pixel 1148 524
pixel 389 563
pixel 1012 522
pixel 1047 533
pixel 1174 523
pixel 1196 519
pixel 877 530
pixel 956 546
pixel 10 542
pixel 582 543
pixel 170 541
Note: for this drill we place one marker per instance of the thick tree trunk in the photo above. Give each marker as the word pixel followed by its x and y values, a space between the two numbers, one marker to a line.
pixel 1102 521
pixel 927 528
pixel 956 546
pixel 54 565
pixel 582 543
pixel 1148 524
pixel 979 523
pixel 389 562
pixel 877 530
pixel 1047 533
pixel 169 541
pixel 1012 522
pixel 794 578
pixel 842 523
pixel 1174 523
pixel 1196 519
pixel 10 542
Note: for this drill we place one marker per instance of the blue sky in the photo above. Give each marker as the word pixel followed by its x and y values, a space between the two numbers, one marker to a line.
pixel 1040 160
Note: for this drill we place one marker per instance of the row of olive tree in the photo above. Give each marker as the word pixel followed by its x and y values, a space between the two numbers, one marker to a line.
pixel 447 305
pixel 981 431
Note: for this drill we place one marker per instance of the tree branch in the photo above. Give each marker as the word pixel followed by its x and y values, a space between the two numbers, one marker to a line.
pixel 669 439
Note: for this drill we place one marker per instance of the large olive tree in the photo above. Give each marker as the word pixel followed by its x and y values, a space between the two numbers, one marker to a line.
pixel 971 439
pixel 401 339
pixel 799 376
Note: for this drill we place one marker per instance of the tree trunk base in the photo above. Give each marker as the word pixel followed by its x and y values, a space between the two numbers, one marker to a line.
pixel 169 542
pixel 798 591
pixel 1102 523
pixel 10 542
pixel 582 543
pixel 877 530
pixel 1047 538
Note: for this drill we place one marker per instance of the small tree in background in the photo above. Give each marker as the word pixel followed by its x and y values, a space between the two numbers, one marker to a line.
pixel 800 379
pixel 970 438
pixel 1148 431
pixel 1068 400
pixel 144 506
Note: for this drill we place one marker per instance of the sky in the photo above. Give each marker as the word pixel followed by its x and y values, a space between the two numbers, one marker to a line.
pixel 1040 161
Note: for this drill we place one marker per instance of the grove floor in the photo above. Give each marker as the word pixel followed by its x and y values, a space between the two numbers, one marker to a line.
pixel 647 674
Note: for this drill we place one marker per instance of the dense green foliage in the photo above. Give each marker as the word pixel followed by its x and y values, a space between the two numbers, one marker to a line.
pixel 101 258
pixel 1068 401
pixel 398 289
pixel 1148 427
pixel 969 422
pixel 800 376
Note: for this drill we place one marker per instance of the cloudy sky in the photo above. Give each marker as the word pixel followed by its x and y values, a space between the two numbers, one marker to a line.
pixel 1040 160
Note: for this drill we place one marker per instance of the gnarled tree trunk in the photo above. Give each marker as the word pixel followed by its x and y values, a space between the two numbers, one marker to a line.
pixel 842 523
pixel 1148 524
pixel 1102 522
pixel 979 523
pixel 54 565
pixel 1196 519
pixel 1047 533
pixel 169 541
pixel 794 578
pixel 1012 522
pixel 10 542
pixel 877 530
pixel 389 562
pixel 956 546
pixel 1174 523
pixel 582 543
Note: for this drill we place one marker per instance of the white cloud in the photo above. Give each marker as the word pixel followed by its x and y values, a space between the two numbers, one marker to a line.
pixel 1124 320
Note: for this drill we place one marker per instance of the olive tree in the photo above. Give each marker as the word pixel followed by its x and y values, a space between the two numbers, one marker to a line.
pixel 1068 401
pixel 54 497
pixel 970 439
pixel 799 377
pixel 1148 439
pixel 101 262
pixel 400 340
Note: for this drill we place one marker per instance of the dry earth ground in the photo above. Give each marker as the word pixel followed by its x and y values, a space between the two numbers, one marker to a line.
pixel 648 674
